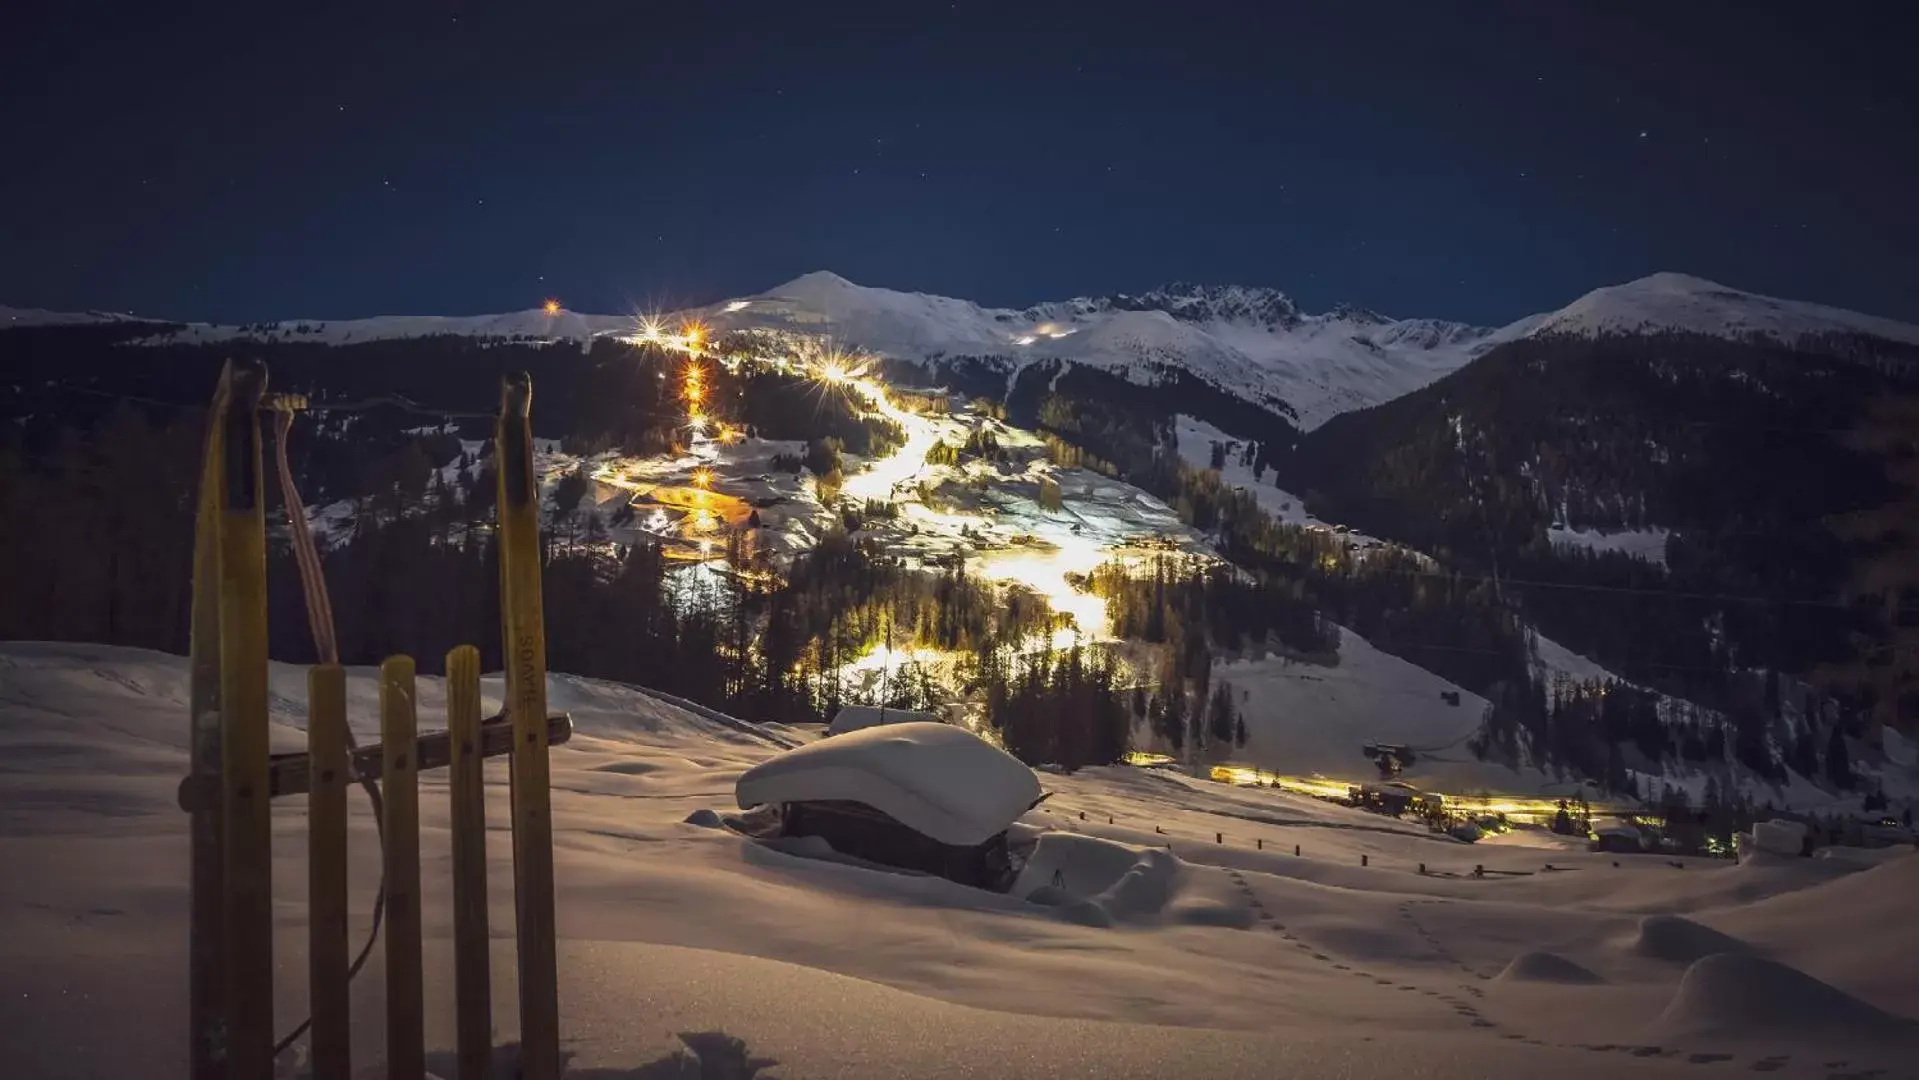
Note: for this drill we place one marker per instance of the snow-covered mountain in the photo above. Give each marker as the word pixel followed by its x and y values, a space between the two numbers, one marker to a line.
pixel 1680 302
pixel 1253 343
pixel 1256 343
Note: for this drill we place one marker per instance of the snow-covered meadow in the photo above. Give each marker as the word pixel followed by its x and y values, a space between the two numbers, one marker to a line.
pixel 1244 960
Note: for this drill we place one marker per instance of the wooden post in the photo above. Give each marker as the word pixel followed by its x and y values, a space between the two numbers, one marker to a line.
pixel 1259 843
pixel 243 728
pixel 472 974
pixel 524 651
pixel 206 958
pixel 405 994
pixel 327 873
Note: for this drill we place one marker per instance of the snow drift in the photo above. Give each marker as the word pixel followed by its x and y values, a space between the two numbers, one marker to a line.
pixel 1547 967
pixel 1734 995
pixel 1678 939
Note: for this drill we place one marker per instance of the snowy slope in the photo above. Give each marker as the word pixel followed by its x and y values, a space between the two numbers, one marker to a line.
pixel 1195 439
pixel 1229 956
pixel 1312 718
pixel 1668 301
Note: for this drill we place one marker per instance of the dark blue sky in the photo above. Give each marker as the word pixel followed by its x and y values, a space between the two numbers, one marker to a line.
pixel 237 162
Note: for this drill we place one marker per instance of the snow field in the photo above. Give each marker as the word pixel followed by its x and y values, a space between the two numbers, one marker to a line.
pixel 1230 957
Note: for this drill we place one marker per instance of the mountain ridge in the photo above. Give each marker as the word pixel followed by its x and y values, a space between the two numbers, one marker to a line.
pixel 1253 342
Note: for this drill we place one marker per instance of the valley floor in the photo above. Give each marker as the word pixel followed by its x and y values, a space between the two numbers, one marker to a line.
pixel 1247 960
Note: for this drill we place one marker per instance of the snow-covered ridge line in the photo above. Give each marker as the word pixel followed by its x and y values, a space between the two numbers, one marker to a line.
pixel 1668 301
pixel 1252 343
pixel 13 317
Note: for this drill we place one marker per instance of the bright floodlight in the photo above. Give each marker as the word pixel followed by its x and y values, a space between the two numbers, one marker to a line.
pixel 551 307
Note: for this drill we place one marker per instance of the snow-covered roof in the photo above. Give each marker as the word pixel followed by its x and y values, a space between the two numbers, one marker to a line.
pixel 860 717
pixel 936 779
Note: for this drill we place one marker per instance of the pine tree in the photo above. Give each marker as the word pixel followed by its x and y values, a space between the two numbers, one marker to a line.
pixel 1838 760
pixel 1169 717
pixel 1223 724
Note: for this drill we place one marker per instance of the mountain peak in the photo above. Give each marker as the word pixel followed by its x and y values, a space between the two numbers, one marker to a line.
pixel 1673 280
pixel 1353 313
pixel 813 281
pixel 1189 302
pixel 1682 302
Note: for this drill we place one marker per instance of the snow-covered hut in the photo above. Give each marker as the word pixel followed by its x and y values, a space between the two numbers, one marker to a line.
pixel 1620 837
pixel 920 796
pixel 860 717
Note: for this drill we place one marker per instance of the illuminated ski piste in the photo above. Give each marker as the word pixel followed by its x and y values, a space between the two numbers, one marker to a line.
pixel 1010 542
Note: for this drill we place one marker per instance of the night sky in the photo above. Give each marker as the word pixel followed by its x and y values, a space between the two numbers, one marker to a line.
pixel 441 156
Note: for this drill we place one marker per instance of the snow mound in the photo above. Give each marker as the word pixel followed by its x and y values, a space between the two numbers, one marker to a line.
pixel 1861 857
pixel 1068 871
pixel 942 781
pixel 1097 882
pixel 1732 995
pixel 1679 940
pixel 1547 967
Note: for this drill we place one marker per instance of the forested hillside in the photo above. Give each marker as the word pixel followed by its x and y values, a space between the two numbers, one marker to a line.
pixel 1745 452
